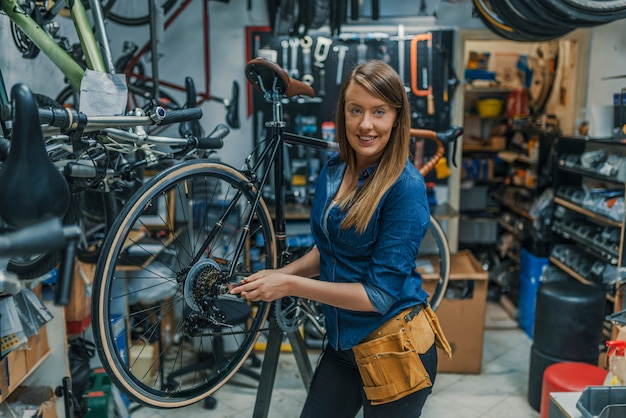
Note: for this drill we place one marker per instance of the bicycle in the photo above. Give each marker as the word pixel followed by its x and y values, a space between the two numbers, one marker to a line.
pixel 182 238
pixel 104 183
pixel 95 50
pixel 144 87
pixel 103 166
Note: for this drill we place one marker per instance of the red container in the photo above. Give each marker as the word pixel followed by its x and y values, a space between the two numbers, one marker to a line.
pixel 517 104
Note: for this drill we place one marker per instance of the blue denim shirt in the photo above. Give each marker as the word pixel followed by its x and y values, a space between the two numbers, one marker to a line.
pixel 382 258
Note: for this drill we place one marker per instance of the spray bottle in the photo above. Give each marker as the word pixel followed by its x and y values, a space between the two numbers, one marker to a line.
pixel 617 363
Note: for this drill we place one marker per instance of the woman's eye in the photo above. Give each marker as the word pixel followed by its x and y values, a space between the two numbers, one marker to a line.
pixel 355 111
pixel 379 112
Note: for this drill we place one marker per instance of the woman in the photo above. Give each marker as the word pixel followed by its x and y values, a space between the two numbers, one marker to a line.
pixel 368 218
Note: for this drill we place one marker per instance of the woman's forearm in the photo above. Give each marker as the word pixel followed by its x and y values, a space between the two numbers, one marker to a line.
pixel 307 266
pixel 350 296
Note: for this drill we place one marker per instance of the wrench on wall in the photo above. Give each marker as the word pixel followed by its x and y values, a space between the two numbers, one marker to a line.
pixel 341 57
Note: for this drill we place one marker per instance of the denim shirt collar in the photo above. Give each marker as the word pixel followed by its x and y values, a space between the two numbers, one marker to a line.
pixel 336 170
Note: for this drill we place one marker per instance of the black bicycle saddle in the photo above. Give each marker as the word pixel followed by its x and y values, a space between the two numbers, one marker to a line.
pixel 190 127
pixel 31 188
pixel 273 81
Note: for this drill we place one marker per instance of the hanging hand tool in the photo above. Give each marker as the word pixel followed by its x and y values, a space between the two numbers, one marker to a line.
pixel 375 9
pixel 430 98
pixel 305 43
pixel 361 52
pixel 341 51
pixel 441 50
pixel 322 47
pixel 284 44
pixel 293 69
pixel 421 73
pixel 355 7
pixel 401 37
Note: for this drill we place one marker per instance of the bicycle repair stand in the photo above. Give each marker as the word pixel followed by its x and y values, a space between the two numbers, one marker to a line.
pixel 270 363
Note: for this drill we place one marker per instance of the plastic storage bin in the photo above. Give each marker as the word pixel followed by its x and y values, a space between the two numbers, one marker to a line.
pixel 99 396
pixel 530 277
pixel 602 402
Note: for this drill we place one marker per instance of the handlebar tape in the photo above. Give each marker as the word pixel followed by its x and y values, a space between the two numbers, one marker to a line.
pixel 48 235
pixel 182 115
pixel 215 140
pixel 64 119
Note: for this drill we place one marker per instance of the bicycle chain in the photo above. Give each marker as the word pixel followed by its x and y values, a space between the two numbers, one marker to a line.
pixel 221 334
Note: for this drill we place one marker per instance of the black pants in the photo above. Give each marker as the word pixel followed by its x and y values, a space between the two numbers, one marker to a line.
pixel 336 390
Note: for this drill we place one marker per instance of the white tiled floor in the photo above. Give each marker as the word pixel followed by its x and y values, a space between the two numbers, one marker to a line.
pixel 500 390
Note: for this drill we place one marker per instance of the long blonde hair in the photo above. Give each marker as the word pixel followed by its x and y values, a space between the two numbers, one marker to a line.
pixel 382 81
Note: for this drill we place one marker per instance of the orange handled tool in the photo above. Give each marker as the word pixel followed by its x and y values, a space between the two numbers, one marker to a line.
pixel 421 76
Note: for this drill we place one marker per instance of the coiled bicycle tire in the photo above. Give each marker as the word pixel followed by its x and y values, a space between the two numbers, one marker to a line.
pixel 579 11
pixel 526 23
pixel 497 25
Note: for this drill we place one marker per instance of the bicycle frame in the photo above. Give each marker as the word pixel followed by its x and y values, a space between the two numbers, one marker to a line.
pixel 275 153
pixel 202 96
pixel 51 49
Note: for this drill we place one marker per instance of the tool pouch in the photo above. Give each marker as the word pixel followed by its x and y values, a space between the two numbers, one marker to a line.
pixel 388 359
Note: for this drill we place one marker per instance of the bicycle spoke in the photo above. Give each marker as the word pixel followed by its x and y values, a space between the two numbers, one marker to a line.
pixel 171 335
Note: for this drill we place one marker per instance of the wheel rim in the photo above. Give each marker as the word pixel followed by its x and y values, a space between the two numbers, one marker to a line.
pixel 159 368
pixel 433 263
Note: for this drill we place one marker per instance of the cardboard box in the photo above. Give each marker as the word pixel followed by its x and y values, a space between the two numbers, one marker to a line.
pixel 79 307
pixel 37 348
pixel 20 362
pixel 463 318
pixel 39 398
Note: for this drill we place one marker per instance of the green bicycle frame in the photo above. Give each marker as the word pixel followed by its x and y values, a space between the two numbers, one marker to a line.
pixel 49 47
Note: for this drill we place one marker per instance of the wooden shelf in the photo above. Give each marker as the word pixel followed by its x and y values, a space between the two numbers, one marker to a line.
pixel 586 212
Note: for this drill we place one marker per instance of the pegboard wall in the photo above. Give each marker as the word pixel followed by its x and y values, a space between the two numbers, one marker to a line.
pixel 424 61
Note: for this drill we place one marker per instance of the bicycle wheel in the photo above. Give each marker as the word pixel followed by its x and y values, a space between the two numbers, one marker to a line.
pixel 160 284
pixel 433 262
pixel 34 265
pixel 132 12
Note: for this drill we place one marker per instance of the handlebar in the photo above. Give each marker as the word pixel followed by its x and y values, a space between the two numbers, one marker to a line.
pixel 70 119
pixel 49 235
pixel 213 141
pixel 441 139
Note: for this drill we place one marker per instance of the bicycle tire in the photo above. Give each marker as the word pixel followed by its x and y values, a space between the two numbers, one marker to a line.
pixel 577 11
pixel 196 194
pixel 434 261
pixel 604 7
pixel 33 266
pixel 497 25
pixel 131 13
pixel 536 11
pixel 68 97
pixel 528 23
pixel 140 95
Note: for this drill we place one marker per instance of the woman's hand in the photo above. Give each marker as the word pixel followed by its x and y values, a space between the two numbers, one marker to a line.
pixel 264 285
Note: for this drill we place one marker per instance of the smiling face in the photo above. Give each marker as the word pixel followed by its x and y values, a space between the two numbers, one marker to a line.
pixel 369 121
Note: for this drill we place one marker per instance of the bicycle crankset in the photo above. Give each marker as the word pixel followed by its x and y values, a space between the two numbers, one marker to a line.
pixel 289 313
